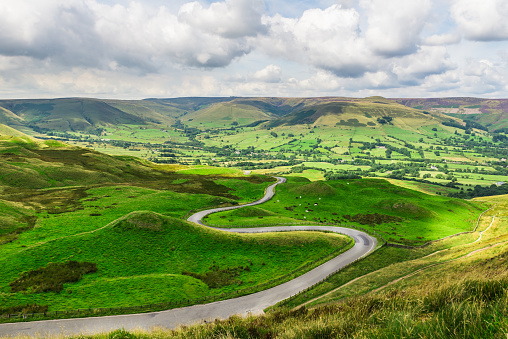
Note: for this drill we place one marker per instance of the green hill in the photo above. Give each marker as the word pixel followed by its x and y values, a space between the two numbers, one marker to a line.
pixel 453 288
pixel 7 132
pixel 183 261
pixel 358 113
pixel 226 114
pixel 9 118
pixel 492 113
pixel 68 114
pixel 399 215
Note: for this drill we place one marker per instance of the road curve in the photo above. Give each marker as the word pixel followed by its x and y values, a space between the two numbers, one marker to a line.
pixel 249 304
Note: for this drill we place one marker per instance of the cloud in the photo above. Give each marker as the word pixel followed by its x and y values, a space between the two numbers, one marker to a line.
pixel 442 39
pixel 481 20
pixel 62 30
pixel 230 19
pixel 428 60
pixel 135 36
pixel 271 73
pixel 394 26
pixel 88 33
pixel 328 39
pixel 341 47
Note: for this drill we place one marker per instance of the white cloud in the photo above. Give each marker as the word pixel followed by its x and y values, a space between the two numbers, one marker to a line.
pixel 88 33
pixel 442 39
pixel 394 26
pixel 428 60
pixel 328 47
pixel 271 73
pixel 321 81
pixel 328 39
pixel 230 19
pixel 481 20
pixel 135 36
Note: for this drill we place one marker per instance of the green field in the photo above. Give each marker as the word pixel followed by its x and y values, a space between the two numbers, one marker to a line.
pixel 347 134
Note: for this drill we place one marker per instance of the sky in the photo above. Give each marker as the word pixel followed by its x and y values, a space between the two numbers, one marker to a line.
pixel 121 49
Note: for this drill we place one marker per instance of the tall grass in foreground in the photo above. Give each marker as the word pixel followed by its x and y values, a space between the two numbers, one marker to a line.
pixel 467 309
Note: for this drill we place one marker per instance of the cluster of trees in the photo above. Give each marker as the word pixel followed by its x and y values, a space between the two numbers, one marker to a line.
pixel 467 127
pixel 341 175
pixel 267 165
pixel 480 191
pixel 404 151
pixel 385 120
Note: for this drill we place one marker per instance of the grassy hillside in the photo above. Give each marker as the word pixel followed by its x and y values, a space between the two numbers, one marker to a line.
pixel 9 118
pixel 492 113
pixel 68 114
pixel 51 177
pixel 400 215
pixel 64 206
pixel 357 113
pixel 226 114
pixel 131 273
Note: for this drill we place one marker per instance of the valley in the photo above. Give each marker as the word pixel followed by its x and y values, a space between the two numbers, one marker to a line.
pixel 95 197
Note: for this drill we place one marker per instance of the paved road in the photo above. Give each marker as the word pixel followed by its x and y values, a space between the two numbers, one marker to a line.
pixel 249 304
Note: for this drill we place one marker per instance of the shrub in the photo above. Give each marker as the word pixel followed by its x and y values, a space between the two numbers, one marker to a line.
pixel 52 277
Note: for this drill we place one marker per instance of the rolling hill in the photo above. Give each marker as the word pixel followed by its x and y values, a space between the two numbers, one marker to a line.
pixel 357 113
pixel 89 115
pixel 67 114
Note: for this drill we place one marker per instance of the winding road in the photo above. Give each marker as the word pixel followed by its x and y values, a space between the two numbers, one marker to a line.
pixel 250 304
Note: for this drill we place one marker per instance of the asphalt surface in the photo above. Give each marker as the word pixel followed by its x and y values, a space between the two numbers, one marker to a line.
pixel 249 304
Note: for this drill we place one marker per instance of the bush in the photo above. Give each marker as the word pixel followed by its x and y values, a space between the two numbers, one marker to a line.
pixel 52 277
pixel 216 277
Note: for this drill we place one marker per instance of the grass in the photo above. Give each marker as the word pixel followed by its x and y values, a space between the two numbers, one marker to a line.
pixel 465 296
pixel 149 274
pixel 416 217
pixel 466 309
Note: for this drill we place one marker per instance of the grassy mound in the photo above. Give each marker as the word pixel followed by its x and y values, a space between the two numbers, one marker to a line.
pixel 142 221
pixel 252 211
pixel 315 189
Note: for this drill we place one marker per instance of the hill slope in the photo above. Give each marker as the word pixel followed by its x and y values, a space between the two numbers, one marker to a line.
pixel 67 114
pixel 358 113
